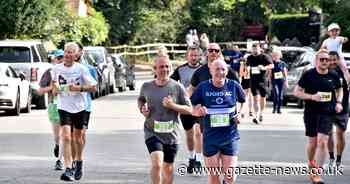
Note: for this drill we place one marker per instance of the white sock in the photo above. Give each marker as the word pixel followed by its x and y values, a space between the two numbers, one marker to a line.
pixel 199 157
pixel 60 153
pixel 192 155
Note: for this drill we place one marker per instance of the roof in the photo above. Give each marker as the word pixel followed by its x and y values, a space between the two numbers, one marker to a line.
pixel 19 42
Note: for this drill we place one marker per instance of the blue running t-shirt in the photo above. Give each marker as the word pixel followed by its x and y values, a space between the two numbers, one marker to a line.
pixel 219 124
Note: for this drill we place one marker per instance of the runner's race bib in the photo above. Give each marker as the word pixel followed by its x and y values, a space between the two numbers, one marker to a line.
pixel 325 96
pixel 219 120
pixel 278 75
pixel 164 126
pixel 255 70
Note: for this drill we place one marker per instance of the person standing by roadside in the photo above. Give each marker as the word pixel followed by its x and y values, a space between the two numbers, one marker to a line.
pixel 278 77
pixel 258 63
pixel 70 81
pixel 183 74
pixel 323 94
pixel 160 102
pixel 334 42
pixel 340 119
pixel 216 99
pixel 46 87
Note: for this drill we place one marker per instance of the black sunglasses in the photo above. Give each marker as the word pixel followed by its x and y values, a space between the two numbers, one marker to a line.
pixel 324 59
pixel 214 50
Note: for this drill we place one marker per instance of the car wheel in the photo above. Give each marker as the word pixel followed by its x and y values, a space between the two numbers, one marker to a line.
pixel 17 110
pixel 28 108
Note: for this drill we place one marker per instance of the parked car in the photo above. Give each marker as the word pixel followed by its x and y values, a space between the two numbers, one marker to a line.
pixel 290 54
pixel 104 63
pixel 125 73
pixel 15 91
pixel 305 62
pixel 30 58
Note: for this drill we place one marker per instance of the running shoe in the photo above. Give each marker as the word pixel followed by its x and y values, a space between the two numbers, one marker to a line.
pixel 255 121
pixel 58 165
pixel 260 118
pixel 67 175
pixel 191 165
pixel 78 172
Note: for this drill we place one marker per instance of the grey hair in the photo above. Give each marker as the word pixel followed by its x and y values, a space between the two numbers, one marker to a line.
pixel 71 45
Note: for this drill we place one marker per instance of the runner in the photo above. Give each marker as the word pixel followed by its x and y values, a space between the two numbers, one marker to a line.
pixel 244 73
pixel 258 63
pixel 45 87
pixel 203 74
pixel 79 135
pixel 216 100
pixel 160 101
pixel 193 135
pixel 70 80
pixel 278 77
pixel 340 119
pixel 322 92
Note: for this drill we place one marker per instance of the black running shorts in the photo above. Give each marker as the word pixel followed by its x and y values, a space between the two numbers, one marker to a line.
pixel 169 150
pixel 75 120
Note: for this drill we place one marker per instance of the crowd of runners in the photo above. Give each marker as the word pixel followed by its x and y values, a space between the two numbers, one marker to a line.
pixel 209 97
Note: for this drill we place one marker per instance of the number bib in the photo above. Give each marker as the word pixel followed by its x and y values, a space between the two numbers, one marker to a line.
pixel 219 120
pixel 164 126
pixel 325 96
pixel 255 70
pixel 278 75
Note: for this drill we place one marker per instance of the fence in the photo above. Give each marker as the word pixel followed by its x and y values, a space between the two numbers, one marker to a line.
pixel 148 51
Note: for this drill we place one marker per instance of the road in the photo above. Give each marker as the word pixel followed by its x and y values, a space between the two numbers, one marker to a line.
pixel 115 150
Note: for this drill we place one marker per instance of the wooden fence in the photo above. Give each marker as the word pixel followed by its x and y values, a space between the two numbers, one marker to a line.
pixel 148 51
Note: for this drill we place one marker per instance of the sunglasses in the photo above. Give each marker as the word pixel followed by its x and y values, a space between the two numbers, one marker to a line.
pixel 324 59
pixel 214 50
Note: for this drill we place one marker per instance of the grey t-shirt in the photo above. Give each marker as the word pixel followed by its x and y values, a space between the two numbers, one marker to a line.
pixel 46 82
pixel 154 96
pixel 184 74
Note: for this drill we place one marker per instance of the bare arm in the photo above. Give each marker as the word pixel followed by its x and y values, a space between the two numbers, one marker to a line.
pixel 190 90
pixel 339 95
pixel 300 93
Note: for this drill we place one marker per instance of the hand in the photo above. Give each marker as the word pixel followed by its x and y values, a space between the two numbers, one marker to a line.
pixel 199 111
pixel 261 67
pixel 168 102
pixel 73 87
pixel 238 119
pixel 145 110
pixel 316 97
pixel 338 107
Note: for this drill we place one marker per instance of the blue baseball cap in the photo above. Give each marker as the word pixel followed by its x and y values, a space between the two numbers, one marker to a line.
pixel 58 53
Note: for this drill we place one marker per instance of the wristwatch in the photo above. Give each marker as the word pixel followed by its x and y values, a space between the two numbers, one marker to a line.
pixel 81 89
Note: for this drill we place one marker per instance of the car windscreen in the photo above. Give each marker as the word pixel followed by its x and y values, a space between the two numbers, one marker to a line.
pixel 97 55
pixel 290 57
pixel 15 54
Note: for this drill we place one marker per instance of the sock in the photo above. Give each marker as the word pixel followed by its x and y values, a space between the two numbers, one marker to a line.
pixel 331 155
pixel 199 157
pixel 338 158
pixel 192 155
pixel 60 153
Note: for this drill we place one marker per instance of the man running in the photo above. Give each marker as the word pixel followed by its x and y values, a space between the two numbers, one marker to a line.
pixel 160 101
pixel 340 119
pixel 203 74
pixel 70 81
pixel 193 135
pixel 79 135
pixel 46 87
pixel 322 92
pixel 216 100
pixel 258 63
pixel 244 73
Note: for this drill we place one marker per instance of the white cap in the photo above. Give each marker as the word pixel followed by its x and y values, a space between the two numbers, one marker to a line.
pixel 333 26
